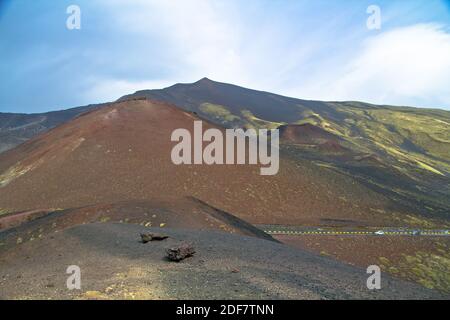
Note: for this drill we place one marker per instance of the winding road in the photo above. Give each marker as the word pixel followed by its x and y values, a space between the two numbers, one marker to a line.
pixel 300 231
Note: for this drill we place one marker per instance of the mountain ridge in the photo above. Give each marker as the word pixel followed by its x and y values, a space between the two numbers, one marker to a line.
pixel 376 143
pixel 208 81
pixel 16 128
pixel 122 152
pixel 340 165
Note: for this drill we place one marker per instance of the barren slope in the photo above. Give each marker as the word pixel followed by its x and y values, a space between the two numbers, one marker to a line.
pixel 405 150
pixel 115 265
pixel 16 128
pixel 122 152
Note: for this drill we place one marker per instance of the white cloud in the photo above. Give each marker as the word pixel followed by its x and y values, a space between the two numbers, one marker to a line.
pixel 405 66
pixel 215 39
pixel 200 35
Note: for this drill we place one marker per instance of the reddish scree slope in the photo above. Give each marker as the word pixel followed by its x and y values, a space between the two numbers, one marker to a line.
pixel 122 152
pixel 306 134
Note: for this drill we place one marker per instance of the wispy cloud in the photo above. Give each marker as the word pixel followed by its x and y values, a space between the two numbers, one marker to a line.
pixel 307 49
pixel 409 65
pixel 199 36
pixel 402 65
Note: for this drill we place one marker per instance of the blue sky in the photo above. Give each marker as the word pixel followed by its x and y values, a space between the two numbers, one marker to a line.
pixel 307 49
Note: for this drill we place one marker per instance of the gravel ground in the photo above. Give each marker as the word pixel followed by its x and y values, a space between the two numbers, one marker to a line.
pixel 116 265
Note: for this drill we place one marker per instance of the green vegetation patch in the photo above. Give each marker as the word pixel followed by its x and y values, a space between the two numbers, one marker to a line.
pixel 4 211
pixel 218 112
pixel 15 172
pixel 432 270
pixel 256 123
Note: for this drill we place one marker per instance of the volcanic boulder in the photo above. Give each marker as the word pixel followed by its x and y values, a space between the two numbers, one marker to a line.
pixel 180 252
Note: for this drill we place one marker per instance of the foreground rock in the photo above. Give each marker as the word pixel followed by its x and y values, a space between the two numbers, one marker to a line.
pixel 180 252
pixel 147 237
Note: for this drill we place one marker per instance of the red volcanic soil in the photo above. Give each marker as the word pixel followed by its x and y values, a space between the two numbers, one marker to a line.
pixel 15 219
pixel 306 134
pixel 332 146
pixel 362 250
pixel 395 255
pixel 311 136
pixel 121 152
pixel 185 213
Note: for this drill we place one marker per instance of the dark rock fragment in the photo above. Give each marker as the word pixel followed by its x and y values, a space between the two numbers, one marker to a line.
pixel 180 252
pixel 147 237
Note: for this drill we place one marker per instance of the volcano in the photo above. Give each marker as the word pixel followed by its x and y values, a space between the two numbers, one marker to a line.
pixel 121 152
pixel 93 183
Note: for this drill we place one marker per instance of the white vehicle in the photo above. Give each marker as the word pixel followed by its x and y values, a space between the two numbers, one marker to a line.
pixel 379 233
